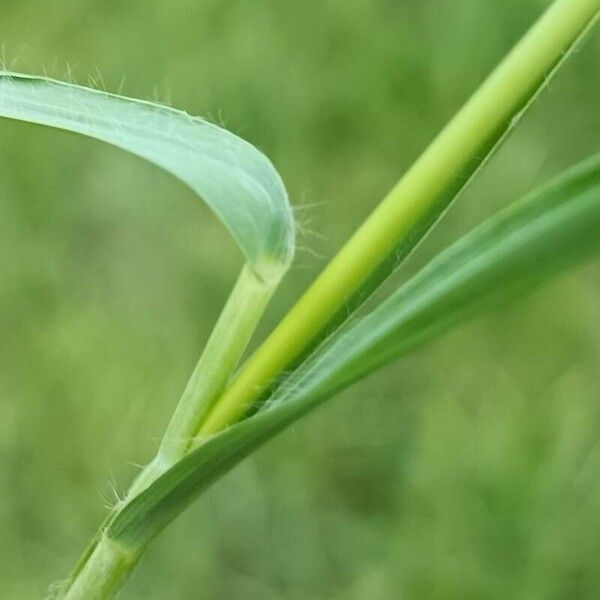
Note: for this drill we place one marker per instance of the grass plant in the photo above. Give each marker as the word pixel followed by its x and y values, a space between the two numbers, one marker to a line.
pixel 326 341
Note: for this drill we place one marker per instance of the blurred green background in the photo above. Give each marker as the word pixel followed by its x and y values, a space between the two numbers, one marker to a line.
pixel 470 470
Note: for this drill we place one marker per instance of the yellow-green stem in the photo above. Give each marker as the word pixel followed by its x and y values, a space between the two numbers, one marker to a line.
pixel 497 101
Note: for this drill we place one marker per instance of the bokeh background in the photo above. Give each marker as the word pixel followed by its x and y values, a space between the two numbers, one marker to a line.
pixel 469 470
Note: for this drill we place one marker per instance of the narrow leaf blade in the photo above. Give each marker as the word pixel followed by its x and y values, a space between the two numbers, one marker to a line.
pixel 500 260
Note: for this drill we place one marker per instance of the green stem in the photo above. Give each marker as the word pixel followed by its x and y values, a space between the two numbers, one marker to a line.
pixel 406 212
pixel 104 573
pixel 221 355
pixel 105 565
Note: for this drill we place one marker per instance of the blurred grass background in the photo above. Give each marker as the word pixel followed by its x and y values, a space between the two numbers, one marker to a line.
pixel 470 470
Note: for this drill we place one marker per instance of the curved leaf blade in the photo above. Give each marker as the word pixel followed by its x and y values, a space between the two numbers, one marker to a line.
pixel 502 259
pixel 236 180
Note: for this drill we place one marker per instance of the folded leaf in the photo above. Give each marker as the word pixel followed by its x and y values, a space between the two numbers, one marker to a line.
pixel 237 181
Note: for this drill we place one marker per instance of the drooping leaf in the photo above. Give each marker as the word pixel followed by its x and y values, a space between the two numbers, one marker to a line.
pixel 237 181
pixel 501 260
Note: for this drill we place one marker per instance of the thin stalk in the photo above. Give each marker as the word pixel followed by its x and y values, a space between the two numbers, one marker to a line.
pixel 105 564
pixel 221 356
pixel 228 340
pixel 405 213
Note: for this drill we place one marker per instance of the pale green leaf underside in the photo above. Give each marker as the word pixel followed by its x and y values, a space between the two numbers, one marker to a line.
pixel 500 260
pixel 236 180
